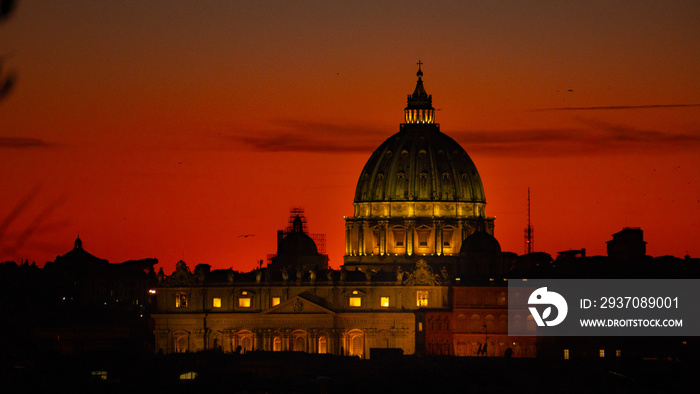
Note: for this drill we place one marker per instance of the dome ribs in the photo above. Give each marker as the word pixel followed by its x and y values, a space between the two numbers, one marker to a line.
pixel 420 163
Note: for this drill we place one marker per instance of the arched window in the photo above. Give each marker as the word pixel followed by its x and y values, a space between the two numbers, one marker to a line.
pixel 322 345
pixel 277 344
pixel 181 342
pixel 246 341
pixel 299 341
pixel 356 343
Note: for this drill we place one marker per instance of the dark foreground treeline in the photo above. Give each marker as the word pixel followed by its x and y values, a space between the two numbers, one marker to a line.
pixel 291 372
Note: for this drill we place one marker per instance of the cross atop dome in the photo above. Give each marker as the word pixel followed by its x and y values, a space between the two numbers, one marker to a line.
pixel 420 104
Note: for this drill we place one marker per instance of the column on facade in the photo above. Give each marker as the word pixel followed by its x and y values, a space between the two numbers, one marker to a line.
pixel 235 341
pixel 438 223
pixel 383 228
pixel 257 339
pixel 199 338
pixel 410 229
pixel 285 340
pixel 464 224
pixel 164 341
pixel 348 238
pixel 345 348
pixel 367 339
pixel 228 339
pixel 332 341
pixel 267 340
pixel 312 344
pixel 458 236
pixel 361 226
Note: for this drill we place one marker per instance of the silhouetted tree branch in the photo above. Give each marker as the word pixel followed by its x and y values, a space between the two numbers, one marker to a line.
pixel 6 82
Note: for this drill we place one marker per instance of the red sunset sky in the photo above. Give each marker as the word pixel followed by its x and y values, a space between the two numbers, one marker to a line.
pixel 167 129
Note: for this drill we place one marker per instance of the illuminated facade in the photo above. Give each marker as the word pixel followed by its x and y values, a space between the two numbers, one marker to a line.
pixel 418 242
pixel 340 312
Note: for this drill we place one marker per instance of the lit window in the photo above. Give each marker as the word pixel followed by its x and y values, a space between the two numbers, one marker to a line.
pixel 181 343
pixel 216 303
pixel 355 301
pixel 447 237
pixel 602 353
pixel 275 301
pixel 399 235
pixel 502 298
pixel 566 354
pixel 277 344
pixel 422 298
pixel 244 292
pixel 385 302
pixel 618 353
pixel 188 376
pixel 102 375
pixel 420 326
pixel 244 302
pixel 423 235
pixel 180 300
pixel 322 345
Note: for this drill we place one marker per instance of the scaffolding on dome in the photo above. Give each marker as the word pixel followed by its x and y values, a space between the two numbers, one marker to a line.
pixel 319 239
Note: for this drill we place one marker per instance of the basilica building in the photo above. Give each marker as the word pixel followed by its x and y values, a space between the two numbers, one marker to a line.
pixel 422 270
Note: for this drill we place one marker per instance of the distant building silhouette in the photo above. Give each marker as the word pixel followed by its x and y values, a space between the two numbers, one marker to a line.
pixel 78 303
pixel 627 245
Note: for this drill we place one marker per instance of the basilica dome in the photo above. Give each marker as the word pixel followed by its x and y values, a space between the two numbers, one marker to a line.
pixel 418 196
pixel 419 163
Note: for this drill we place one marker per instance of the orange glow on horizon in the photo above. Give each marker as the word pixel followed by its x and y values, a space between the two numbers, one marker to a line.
pixel 187 133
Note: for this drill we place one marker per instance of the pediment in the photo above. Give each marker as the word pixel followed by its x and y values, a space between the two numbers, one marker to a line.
pixel 299 306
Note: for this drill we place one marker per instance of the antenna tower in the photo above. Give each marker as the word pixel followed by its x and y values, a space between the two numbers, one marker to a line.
pixel 529 231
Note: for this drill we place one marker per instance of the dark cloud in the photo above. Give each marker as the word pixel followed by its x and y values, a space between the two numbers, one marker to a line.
pixel 592 137
pixel 617 107
pixel 304 136
pixel 595 137
pixel 295 143
pixel 22 143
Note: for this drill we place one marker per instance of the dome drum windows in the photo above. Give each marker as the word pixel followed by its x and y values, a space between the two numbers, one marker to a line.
pixel 399 234
pixel 423 234
pixel 447 234
pixel 422 115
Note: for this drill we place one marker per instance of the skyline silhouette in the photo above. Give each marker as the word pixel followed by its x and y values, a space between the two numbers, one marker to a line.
pixel 169 131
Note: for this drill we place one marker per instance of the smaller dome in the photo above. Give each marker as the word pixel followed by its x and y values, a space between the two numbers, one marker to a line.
pixel 297 243
pixel 480 242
